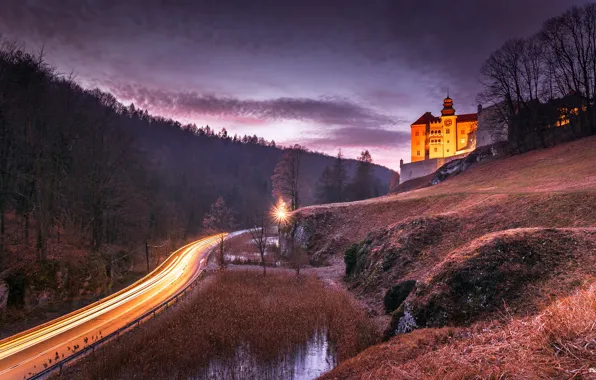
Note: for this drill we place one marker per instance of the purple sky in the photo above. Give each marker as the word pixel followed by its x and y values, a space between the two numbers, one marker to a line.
pixel 322 73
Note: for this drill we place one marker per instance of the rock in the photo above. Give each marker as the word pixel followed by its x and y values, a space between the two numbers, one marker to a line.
pixel 460 165
pixel 450 169
pixel 397 294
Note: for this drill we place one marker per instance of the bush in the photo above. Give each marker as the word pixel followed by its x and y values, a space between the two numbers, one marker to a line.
pixel 350 258
pixel 397 294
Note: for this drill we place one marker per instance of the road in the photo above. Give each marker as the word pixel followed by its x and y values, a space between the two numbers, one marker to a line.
pixel 26 353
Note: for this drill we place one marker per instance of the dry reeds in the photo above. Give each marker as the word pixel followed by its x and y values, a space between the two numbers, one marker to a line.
pixel 271 316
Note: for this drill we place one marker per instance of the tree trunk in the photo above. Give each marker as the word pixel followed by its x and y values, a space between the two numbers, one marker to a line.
pixel 221 253
pixel 2 230
pixel 263 262
pixel 147 254
pixel 26 228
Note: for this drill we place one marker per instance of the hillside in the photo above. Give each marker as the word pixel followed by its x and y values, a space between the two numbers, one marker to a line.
pixel 87 184
pixel 500 243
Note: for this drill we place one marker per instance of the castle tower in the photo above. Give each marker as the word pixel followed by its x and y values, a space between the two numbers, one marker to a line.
pixel 448 109
pixel 449 128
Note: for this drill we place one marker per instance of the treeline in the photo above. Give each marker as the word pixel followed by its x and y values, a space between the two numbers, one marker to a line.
pixel 546 81
pixel 335 185
pixel 77 166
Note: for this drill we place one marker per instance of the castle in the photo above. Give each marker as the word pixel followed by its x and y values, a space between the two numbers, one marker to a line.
pixel 437 140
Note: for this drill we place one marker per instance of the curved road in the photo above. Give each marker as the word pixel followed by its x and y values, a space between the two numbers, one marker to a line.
pixel 25 354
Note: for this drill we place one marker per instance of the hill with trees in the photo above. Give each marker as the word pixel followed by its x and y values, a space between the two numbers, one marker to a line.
pixel 89 186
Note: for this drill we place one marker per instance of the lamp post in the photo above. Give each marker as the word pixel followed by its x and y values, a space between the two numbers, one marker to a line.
pixel 280 215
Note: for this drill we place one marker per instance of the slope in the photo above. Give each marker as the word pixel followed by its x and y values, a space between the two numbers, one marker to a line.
pixel 507 237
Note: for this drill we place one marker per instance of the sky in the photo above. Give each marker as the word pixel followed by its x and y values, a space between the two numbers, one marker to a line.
pixel 326 74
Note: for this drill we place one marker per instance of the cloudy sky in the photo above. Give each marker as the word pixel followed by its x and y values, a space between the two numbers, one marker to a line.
pixel 322 73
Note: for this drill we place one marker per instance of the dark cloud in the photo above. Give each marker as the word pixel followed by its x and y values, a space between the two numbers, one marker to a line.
pixel 265 60
pixel 325 111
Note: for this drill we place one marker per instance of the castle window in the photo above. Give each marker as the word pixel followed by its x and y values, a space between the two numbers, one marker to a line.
pixel 436 150
pixel 447 141
pixel 417 133
pixel 447 150
pixel 418 153
pixel 447 131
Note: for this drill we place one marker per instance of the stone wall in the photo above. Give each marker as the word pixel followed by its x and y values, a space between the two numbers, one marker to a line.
pixel 422 168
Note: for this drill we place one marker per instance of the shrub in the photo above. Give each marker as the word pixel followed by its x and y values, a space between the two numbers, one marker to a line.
pixel 350 258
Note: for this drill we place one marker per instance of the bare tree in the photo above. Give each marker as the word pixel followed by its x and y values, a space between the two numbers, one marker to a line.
pixel 512 78
pixel 259 238
pixel 218 220
pixel 297 258
pixel 570 44
pixel 286 177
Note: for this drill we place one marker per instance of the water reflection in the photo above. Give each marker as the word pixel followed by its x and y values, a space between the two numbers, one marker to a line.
pixel 306 362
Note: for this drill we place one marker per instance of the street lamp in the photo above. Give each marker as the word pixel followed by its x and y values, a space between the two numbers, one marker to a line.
pixel 280 212
pixel 280 215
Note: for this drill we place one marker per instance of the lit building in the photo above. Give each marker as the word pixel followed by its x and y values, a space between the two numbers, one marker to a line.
pixel 443 136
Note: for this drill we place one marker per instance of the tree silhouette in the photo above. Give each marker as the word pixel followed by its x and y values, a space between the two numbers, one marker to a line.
pixel 219 220
pixel 286 177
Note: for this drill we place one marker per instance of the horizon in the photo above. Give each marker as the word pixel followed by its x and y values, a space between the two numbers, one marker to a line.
pixel 354 79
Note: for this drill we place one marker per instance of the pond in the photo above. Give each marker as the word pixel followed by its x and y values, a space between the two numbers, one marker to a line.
pixel 306 362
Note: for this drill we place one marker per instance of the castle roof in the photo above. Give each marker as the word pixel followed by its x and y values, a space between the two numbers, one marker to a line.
pixel 426 118
pixel 468 117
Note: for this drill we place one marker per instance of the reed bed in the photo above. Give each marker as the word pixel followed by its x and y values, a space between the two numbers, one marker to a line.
pixel 270 316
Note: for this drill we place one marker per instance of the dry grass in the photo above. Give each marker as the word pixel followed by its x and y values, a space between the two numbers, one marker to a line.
pixel 559 343
pixel 270 315
pixel 543 200
pixel 553 187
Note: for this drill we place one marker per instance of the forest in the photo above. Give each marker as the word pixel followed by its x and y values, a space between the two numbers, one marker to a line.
pixel 540 83
pixel 89 186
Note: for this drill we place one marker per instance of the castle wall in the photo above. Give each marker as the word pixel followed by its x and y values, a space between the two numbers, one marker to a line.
pixel 423 168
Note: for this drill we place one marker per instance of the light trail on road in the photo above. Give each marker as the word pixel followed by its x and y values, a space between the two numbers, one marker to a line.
pixel 27 353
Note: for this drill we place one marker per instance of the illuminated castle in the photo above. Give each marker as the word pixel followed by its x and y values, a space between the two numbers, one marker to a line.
pixel 444 136
pixel 437 140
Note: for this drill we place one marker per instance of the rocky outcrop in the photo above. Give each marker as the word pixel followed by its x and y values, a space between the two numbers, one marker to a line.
pixel 506 269
pixel 460 165
pixel 309 231
pixel 388 254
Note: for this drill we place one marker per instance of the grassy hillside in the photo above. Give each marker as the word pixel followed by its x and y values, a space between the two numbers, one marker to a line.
pixel 500 244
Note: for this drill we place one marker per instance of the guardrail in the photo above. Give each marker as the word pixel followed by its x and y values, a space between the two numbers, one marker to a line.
pixel 58 367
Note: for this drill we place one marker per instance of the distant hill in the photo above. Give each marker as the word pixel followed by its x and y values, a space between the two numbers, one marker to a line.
pixel 212 165
pixel 86 182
